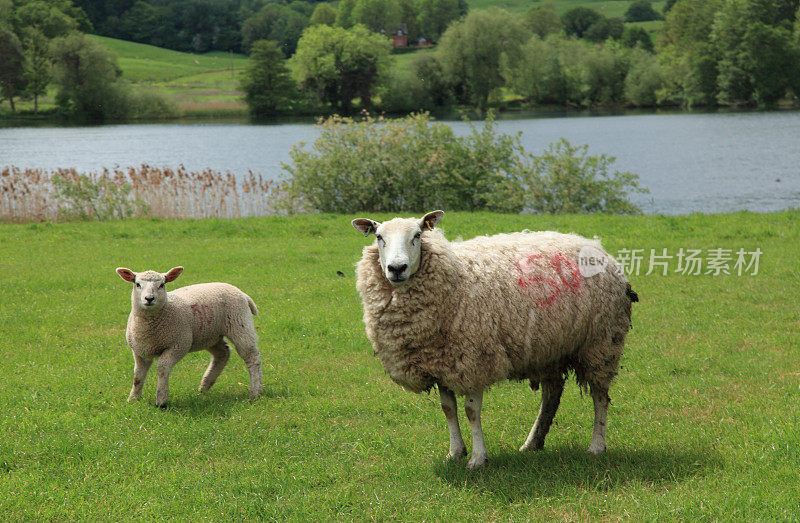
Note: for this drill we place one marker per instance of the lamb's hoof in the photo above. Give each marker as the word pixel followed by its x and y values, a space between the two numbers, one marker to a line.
pixel 534 446
pixel 457 455
pixel 476 462
pixel 255 395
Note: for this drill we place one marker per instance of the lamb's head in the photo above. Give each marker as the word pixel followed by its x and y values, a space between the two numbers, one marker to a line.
pixel 399 242
pixel 149 287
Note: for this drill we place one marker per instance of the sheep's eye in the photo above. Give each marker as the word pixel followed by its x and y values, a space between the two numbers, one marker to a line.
pixel 138 286
pixel 380 238
pixel 161 286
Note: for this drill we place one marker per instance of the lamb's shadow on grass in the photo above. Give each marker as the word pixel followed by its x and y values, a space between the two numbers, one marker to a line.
pixel 515 475
pixel 219 403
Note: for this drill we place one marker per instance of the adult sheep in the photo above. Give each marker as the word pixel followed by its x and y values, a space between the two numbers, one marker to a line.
pixel 169 325
pixel 465 315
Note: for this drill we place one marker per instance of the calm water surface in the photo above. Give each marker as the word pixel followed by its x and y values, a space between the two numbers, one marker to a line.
pixel 690 162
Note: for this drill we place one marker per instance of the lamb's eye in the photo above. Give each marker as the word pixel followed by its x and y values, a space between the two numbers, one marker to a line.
pixel 138 286
pixel 161 286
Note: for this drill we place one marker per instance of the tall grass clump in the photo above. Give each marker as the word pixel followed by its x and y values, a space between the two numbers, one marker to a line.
pixel 412 163
pixel 66 194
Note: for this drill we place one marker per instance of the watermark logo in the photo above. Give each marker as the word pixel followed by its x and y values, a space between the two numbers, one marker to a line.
pixel 591 261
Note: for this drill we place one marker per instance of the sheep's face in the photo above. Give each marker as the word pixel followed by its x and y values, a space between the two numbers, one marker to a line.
pixel 149 287
pixel 399 242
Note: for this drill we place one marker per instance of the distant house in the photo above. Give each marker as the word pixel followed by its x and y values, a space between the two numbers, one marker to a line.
pixel 400 37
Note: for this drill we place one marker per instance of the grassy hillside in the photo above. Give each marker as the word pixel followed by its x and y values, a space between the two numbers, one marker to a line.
pixel 703 422
pixel 608 8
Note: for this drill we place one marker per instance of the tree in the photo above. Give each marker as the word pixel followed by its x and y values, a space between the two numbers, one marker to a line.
pixel 344 14
pixel 543 20
pixel 323 14
pixel 340 65
pixel 687 57
pixel 435 15
pixel 12 66
pixel 276 22
pixel 37 65
pixel 269 89
pixel 377 15
pixel 668 5
pixel 758 61
pixel 635 36
pixel 604 29
pixel 476 50
pixel 578 20
pixel 88 80
pixel 641 11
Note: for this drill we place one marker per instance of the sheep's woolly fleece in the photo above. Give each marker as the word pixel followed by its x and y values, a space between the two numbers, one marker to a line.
pixel 495 307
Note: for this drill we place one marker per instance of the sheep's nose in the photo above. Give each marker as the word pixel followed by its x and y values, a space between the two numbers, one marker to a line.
pixel 397 269
pixel 149 299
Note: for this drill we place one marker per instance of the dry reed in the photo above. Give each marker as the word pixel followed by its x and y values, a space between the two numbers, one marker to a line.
pixel 30 195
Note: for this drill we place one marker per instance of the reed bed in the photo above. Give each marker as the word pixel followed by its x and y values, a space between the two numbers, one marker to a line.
pixel 28 195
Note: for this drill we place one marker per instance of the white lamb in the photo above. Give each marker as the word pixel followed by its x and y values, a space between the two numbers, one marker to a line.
pixel 169 325
pixel 465 315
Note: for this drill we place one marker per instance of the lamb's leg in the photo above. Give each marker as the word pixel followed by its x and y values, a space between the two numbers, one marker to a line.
pixel 450 408
pixel 551 397
pixel 601 401
pixel 247 347
pixel 220 352
pixel 140 368
pixel 166 361
pixel 472 405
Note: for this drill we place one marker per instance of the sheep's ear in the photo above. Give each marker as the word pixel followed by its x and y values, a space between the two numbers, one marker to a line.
pixel 126 274
pixel 173 274
pixel 431 220
pixel 366 226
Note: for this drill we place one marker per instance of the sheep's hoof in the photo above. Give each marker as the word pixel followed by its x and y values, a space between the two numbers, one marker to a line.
pixel 456 455
pixel 162 406
pixel 133 398
pixel 476 462
pixel 595 450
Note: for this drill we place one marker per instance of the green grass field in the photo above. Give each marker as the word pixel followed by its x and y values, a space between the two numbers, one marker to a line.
pixel 704 422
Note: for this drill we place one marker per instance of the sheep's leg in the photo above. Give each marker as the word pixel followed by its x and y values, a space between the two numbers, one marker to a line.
pixel 220 352
pixel 601 401
pixel 450 408
pixel 140 368
pixel 248 350
pixel 551 397
pixel 166 361
pixel 472 405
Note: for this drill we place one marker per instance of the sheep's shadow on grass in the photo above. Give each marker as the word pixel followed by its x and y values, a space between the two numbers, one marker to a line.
pixel 214 403
pixel 513 475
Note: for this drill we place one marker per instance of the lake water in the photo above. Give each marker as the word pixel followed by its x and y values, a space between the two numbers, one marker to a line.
pixel 718 162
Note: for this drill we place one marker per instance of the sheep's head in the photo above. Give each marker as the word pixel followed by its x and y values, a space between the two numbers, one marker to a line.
pixel 399 242
pixel 149 287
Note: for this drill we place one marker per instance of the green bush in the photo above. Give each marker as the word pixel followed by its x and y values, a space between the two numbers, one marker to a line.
pixel 82 198
pixel 565 179
pixel 412 164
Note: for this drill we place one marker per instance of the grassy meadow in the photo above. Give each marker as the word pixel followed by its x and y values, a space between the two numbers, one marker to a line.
pixel 704 422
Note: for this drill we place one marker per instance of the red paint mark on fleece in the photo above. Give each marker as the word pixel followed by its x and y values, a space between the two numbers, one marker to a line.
pixel 529 274
pixel 203 315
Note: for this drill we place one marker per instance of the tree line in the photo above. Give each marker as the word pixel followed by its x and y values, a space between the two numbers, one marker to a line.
pixel 709 52
pixel 200 26
pixel 43 43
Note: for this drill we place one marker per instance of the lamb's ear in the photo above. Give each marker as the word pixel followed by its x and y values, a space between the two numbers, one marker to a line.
pixel 431 220
pixel 173 274
pixel 126 274
pixel 366 226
